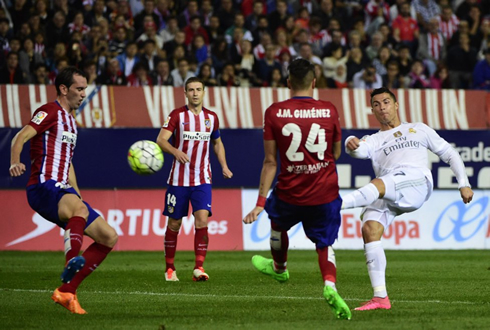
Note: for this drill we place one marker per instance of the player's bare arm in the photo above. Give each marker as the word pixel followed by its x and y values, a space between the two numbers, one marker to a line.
pixel 162 141
pixel 466 194
pixel 337 149
pixel 267 175
pixel 25 134
pixel 219 150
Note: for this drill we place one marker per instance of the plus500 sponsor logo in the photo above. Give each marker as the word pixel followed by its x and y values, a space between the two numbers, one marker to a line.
pixel 461 221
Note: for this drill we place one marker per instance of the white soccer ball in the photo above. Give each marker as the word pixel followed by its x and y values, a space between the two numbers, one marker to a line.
pixel 145 157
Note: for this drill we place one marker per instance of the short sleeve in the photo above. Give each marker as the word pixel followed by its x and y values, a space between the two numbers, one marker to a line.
pixel 43 119
pixel 172 122
pixel 268 132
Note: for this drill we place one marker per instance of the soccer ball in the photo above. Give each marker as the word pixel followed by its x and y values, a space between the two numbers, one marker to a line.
pixel 145 157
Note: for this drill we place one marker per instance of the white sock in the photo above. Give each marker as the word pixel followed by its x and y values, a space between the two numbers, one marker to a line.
pixel 331 284
pixel 361 197
pixel 376 264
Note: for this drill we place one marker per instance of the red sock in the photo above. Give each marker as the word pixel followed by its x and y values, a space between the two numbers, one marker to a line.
pixel 74 237
pixel 328 269
pixel 94 255
pixel 200 245
pixel 280 257
pixel 170 243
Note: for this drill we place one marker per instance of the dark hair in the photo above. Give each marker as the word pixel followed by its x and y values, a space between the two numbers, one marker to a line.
pixel 193 80
pixel 301 74
pixel 65 77
pixel 382 90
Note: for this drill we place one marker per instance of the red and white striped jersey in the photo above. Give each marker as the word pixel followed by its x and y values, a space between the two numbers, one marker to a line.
pixel 448 28
pixel 192 135
pixel 52 148
pixel 435 42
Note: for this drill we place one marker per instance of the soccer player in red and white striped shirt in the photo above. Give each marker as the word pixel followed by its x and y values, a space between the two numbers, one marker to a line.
pixel 52 190
pixel 194 129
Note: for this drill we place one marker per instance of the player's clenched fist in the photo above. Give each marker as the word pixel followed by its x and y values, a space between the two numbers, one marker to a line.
pixel 253 215
pixel 17 169
pixel 352 144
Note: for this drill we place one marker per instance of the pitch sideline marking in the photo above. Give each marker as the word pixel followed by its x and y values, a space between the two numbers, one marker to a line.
pixel 241 297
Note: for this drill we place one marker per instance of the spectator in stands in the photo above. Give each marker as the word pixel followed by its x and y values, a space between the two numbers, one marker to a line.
pixel 118 43
pixel 39 75
pixel 464 7
pixel 395 10
pixel 481 73
pixel 199 49
pixel 63 6
pixel 387 34
pixel 61 63
pixel 425 9
pixel 35 25
pixel 207 12
pixel 128 59
pixel 381 62
pixel 355 63
pixel 474 22
pixel 377 12
pixel 259 50
pixel 392 78
pixel 112 75
pixel 149 55
pixel 406 29
pixel 226 14
pixel 326 12
pixel 78 25
pixel 338 38
pixel 404 60
pixel 90 69
pixel 285 59
pixel 161 76
pixel 461 60
pixel 181 73
pixel 5 36
pixel 261 29
pixel 339 79
pixel 28 58
pixel 92 38
pixel 191 10
pixel 485 38
pixel 432 46
pixel 302 18
pixel 179 53
pixel 214 29
pixel 41 10
pixel 140 76
pixel 239 22
pixel 162 10
pixel 440 78
pixel 10 72
pixel 140 20
pixel 277 18
pixel 171 28
pixel 124 17
pixel 179 40
pixel 276 79
pixel 150 33
pixel 367 78
pixel 318 37
pixel 206 75
pixel 19 11
pixel 251 21
pixel 330 63
pixel 448 22
pixel 417 76
pixel 265 66
pixel 321 81
pixel 74 54
pixel 24 31
pixel 228 78
pixel 372 50
pixel 306 52
pixel 94 16
pixel 193 29
pixel 15 45
pixel 283 41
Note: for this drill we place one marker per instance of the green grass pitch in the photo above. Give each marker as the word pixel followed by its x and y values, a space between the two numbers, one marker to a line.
pixel 428 290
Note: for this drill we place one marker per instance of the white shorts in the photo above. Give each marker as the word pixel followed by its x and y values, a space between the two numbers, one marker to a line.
pixel 406 190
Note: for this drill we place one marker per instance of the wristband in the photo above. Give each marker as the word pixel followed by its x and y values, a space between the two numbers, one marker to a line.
pixel 261 201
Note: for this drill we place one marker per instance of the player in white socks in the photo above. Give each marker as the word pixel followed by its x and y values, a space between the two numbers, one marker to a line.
pixel 403 181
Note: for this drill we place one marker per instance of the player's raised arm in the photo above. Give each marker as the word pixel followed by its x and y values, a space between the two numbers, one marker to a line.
pixel 356 148
pixel 267 175
pixel 219 150
pixel 25 134
pixel 162 141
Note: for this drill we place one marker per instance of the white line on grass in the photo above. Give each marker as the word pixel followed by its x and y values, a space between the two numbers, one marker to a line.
pixel 143 293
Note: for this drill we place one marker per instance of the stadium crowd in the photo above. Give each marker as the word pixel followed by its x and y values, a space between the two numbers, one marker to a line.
pixel 357 44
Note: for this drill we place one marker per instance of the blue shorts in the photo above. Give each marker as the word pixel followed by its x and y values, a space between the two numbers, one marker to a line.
pixel 177 200
pixel 44 198
pixel 321 223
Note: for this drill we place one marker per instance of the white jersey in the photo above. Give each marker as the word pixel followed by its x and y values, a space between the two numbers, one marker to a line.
pixel 406 146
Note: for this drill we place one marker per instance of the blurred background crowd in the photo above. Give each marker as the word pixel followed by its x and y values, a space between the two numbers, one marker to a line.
pixel 248 43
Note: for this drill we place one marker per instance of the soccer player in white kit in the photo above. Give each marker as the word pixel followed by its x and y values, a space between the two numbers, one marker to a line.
pixel 403 181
